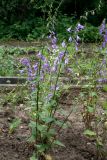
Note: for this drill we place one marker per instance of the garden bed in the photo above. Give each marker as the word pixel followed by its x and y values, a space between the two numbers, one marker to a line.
pixel 78 94
pixel 77 146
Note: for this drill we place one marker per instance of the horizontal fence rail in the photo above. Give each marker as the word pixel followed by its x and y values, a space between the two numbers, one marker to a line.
pixel 11 82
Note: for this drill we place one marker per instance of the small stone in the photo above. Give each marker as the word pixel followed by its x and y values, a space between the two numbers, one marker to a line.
pixel 16 155
pixel 21 105
pixel 88 143
pixel 21 127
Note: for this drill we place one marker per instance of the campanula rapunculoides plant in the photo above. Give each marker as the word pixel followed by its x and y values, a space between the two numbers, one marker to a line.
pixel 45 89
pixel 103 32
pixel 95 122
pixel 74 34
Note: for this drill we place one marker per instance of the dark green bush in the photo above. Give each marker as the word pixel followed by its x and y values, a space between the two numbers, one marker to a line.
pixel 35 28
pixel 90 34
pixel 27 30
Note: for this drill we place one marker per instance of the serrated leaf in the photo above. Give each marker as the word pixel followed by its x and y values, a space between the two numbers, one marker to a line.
pixel 89 133
pixel 56 142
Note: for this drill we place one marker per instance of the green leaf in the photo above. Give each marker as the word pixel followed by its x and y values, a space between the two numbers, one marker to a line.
pixel 53 103
pixel 33 157
pixel 48 119
pixel 56 142
pixel 41 128
pixel 66 87
pixel 59 123
pixel 14 125
pixel 99 143
pixel 105 105
pixel 50 133
pixel 93 94
pixel 90 109
pixel 105 88
pixel 42 147
pixel 89 133
pixel 31 139
pixel 32 124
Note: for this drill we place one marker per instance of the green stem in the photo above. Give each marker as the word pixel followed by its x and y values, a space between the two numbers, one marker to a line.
pixel 37 101
pixel 61 127
pixel 52 115
pixel 57 81
pixel 54 94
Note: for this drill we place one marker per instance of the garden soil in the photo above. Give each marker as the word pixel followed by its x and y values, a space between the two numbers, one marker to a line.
pixel 77 146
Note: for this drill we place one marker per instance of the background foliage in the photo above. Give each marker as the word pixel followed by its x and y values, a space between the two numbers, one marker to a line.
pixel 27 19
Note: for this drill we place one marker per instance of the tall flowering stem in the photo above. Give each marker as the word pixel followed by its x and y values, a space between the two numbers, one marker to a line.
pixel 53 111
pixel 61 126
pixel 54 94
pixel 37 100
pixel 58 74
pixel 102 68
pixel 44 78
pixel 103 33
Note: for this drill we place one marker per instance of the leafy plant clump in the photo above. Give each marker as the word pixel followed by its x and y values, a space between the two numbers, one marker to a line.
pixel 34 29
pixel 95 123
pixel 90 34
pixel 45 89
pixel 7 64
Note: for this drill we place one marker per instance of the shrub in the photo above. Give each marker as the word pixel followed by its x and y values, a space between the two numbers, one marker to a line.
pixel 90 34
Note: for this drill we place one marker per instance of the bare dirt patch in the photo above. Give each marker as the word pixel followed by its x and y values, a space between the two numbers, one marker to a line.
pixel 15 147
